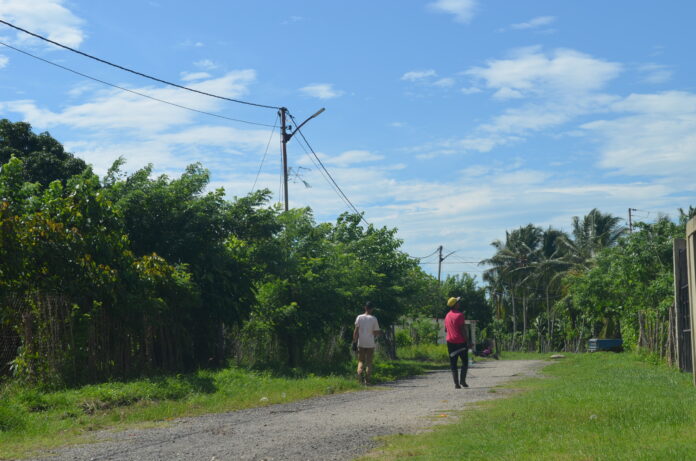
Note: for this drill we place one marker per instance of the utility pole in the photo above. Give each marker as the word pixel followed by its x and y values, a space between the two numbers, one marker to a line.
pixel 630 220
pixel 441 258
pixel 284 138
pixel 439 263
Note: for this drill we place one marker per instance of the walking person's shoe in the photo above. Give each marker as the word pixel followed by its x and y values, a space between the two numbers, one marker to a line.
pixel 462 379
pixel 456 380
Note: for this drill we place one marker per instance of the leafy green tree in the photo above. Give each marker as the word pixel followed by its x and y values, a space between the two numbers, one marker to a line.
pixel 44 159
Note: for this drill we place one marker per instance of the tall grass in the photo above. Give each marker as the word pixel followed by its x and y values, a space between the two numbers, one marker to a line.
pixel 600 406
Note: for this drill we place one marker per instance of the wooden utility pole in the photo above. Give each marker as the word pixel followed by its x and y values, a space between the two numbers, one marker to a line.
pixel 630 219
pixel 439 263
pixel 284 138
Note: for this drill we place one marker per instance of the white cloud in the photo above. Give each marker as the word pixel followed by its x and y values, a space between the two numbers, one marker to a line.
pixel 534 23
pixel 415 75
pixel 463 10
pixel 446 82
pixel 482 199
pixel 352 157
pixel 3 61
pixel 321 91
pixel 191 76
pixel 293 19
pixel 44 17
pixel 553 88
pixel 471 90
pixel 507 93
pixel 205 64
pixel 397 124
pixel 656 138
pixel 117 110
pixel 655 73
pixel 521 177
pixel 188 43
pixel 530 72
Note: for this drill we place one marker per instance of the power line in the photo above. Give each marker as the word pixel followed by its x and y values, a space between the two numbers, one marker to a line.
pixel 327 172
pixel 324 175
pixel 275 123
pixel 449 262
pixel 132 91
pixel 103 61
pixel 426 257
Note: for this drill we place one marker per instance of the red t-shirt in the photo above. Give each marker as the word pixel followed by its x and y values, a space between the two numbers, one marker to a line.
pixel 453 324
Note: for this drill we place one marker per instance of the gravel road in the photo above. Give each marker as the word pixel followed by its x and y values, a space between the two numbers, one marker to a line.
pixel 332 427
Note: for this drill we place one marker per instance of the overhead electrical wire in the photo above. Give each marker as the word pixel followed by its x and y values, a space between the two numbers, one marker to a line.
pixel 275 123
pixel 318 167
pixel 321 166
pixel 327 176
pixel 426 257
pixel 341 193
pixel 104 61
pixel 133 91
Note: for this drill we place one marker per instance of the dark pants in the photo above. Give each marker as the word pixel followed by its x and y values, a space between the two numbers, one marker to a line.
pixel 457 351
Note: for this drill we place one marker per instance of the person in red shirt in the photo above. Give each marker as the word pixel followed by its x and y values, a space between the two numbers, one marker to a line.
pixel 457 342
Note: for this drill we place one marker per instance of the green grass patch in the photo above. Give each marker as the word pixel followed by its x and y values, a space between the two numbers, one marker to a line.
pixel 33 419
pixel 431 353
pixel 600 406
pixel 511 355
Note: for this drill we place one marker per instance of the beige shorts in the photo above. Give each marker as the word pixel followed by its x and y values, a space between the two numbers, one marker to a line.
pixel 365 354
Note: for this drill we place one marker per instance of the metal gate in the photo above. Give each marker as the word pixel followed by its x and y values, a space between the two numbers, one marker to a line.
pixel 683 317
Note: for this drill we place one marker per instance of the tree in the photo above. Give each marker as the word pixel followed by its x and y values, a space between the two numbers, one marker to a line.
pixel 44 159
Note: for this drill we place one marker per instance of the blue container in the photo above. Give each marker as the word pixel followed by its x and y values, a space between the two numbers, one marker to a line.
pixel 615 345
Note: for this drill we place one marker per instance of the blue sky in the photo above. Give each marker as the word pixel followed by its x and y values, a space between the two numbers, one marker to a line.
pixel 452 120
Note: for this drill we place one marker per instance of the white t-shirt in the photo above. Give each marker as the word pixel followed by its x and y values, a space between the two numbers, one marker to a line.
pixel 367 324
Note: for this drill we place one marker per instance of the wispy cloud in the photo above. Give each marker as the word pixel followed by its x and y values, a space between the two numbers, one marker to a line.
pixel 471 90
pixel 543 90
pixel 293 20
pixel 531 72
pixel 191 44
pixel 205 64
pixel 654 135
pixel 446 82
pixel 192 76
pixel 655 73
pixel 415 75
pixel 45 17
pixel 534 23
pixel 352 157
pixel 321 91
pixel 3 61
pixel 113 109
pixel 462 10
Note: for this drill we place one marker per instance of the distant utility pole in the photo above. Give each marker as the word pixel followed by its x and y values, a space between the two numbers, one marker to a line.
pixel 284 138
pixel 441 258
pixel 439 263
pixel 630 219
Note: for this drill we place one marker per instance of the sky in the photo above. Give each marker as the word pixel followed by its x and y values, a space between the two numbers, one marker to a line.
pixel 451 120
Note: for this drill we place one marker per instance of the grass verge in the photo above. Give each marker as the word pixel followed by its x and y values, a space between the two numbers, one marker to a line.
pixel 600 406
pixel 32 419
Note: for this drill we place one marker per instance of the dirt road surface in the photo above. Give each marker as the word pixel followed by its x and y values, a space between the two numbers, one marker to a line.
pixel 331 427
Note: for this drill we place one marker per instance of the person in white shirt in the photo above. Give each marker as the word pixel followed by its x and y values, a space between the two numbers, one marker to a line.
pixel 366 330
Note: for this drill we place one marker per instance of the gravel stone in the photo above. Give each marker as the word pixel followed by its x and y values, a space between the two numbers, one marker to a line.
pixel 331 427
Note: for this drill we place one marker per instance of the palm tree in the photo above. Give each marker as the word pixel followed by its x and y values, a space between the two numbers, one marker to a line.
pixel 549 266
pixel 512 265
pixel 593 232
